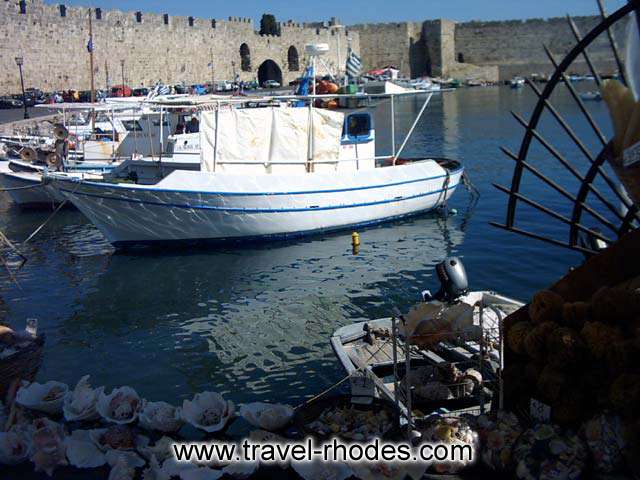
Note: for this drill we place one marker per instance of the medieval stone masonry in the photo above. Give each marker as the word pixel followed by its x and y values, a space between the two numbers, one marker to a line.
pixel 146 48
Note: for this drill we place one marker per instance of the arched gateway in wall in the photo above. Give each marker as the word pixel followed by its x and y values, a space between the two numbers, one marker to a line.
pixel 269 70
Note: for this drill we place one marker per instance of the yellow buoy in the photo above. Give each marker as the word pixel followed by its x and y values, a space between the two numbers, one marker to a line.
pixel 355 239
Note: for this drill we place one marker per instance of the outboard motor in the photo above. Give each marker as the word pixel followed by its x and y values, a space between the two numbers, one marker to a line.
pixel 453 281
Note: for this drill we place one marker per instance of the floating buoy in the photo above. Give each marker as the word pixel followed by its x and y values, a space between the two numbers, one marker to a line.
pixel 355 243
pixel 355 239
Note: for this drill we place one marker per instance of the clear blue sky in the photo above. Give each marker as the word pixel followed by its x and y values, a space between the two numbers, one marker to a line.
pixel 359 11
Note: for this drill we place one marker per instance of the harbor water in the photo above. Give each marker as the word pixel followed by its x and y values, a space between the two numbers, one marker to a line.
pixel 253 322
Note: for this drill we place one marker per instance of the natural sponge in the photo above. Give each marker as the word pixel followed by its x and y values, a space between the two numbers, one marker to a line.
pixel 535 343
pixel 576 314
pixel 551 384
pixel 625 395
pixel 615 305
pixel 516 336
pixel 599 337
pixel 546 306
pixel 565 348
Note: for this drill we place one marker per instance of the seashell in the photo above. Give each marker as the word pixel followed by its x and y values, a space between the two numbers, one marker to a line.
pixel 121 406
pixel 322 470
pixel 80 404
pixel 267 416
pixel 240 470
pixel 161 416
pixel 187 471
pixel 45 398
pixel 117 438
pixel 83 454
pixel 48 450
pixel 208 411
pixel 131 459
pixel 122 471
pixel 14 447
pixel 161 450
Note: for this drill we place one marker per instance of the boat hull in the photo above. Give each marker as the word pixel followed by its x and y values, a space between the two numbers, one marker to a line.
pixel 244 207
pixel 27 190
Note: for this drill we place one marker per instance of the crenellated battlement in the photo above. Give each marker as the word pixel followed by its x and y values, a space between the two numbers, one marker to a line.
pixel 145 48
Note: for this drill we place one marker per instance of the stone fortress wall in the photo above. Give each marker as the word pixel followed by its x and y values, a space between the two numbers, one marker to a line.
pixel 493 51
pixel 156 47
pixel 53 41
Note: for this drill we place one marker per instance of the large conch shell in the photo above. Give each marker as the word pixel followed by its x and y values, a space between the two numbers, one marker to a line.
pixel 45 398
pixel 14 447
pixel 122 470
pixel 267 416
pixel 434 322
pixel 137 441
pixel 208 411
pixel 48 450
pixel 322 470
pixel 161 450
pixel 82 452
pixel 132 459
pixel 121 406
pixel 161 416
pixel 80 404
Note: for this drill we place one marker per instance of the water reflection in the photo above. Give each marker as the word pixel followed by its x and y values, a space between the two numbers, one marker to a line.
pixel 254 322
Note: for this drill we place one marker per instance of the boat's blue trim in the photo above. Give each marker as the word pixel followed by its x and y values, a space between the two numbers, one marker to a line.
pixel 252 194
pixel 260 210
pixel 266 238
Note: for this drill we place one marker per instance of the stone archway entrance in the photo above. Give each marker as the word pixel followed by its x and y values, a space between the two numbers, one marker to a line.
pixel 269 70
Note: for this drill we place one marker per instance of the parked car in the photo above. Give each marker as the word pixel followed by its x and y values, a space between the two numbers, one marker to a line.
pixel 121 91
pixel 140 92
pixel 38 97
pixel 198 89
pixel 224 86
pixel 252 85
pixel 28 99
pixel 10 102
pixel 271 84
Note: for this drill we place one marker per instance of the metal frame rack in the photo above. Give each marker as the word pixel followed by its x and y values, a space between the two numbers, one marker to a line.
pixel 589 199
pixel 406 350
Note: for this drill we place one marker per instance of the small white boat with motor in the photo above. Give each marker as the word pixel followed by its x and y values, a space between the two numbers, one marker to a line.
pixel 269 172
pixel 455 355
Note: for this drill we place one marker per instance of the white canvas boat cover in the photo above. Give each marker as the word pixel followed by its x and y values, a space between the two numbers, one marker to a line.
pixel 273 134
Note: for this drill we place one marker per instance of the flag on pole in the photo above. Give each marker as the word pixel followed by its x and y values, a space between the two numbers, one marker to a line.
pixel 354 64
pixel 90 45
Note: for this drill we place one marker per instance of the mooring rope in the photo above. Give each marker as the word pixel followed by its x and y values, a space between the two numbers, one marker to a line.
pixel 26 187
pixel 58 208
pixel 340 382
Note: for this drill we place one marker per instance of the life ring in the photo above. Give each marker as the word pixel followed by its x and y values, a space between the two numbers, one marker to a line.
pixel 28 154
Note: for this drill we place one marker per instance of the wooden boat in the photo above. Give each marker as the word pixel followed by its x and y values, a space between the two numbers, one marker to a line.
pixel 366 349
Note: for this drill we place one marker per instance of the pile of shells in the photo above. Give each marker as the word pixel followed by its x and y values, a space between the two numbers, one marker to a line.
pixel 85 427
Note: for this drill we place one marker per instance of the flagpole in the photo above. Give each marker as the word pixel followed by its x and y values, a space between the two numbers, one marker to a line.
pixel 93 86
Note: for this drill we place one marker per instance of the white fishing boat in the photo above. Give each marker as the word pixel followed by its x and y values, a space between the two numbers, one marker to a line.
pixel 454 357
pixel 23 182
pixel 266 173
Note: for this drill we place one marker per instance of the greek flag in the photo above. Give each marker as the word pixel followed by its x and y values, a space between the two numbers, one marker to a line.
pixel 354 64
